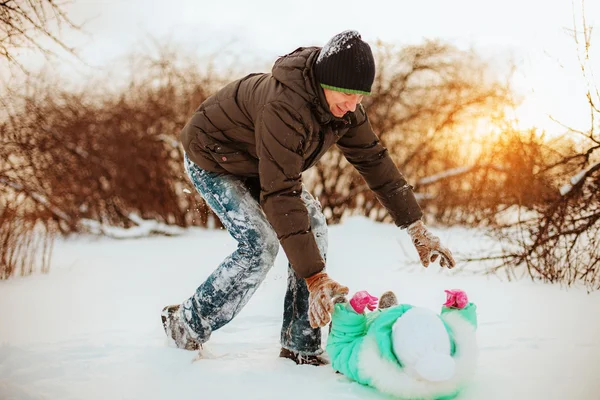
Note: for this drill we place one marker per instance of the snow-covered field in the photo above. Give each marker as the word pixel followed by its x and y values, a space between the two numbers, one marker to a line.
pixel 91 329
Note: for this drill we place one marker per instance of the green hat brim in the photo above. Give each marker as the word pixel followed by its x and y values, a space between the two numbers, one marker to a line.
pixel 343 90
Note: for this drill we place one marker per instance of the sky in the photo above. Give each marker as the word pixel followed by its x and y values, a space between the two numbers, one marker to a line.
pixel 90 329
pixel 529 32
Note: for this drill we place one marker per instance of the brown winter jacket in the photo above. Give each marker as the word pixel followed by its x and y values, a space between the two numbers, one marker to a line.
pixel 275 126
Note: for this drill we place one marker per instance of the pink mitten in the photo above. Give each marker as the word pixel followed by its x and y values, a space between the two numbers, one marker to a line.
pixel 363 299
pixel 456 298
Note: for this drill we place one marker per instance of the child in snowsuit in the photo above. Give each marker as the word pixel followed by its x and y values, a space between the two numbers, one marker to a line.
pixel 402 350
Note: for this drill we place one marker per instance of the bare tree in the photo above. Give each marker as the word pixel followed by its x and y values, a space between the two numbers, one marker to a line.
pixel 560 240
pixel 25 24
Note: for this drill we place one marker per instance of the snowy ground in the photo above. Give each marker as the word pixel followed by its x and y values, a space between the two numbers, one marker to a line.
pixel 91 328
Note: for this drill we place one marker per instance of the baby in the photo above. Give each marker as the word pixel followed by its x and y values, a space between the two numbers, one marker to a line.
pixel 402 350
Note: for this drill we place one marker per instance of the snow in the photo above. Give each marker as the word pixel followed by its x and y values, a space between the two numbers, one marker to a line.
pixel 575 179
pixel 445 174
pixel 567 187
pixel 90 329
pixel 144 228
pixel 336 44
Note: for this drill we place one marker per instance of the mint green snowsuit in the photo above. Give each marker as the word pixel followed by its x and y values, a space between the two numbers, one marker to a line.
pixel 350 330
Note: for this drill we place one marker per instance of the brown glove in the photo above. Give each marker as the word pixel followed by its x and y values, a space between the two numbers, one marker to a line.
pixel 323 290
pixel 428 246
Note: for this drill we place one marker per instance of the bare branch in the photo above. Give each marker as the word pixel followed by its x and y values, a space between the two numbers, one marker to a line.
pixel 23 25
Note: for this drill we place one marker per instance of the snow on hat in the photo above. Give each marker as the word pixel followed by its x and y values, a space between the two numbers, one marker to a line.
pixel 346 64
pixel 421 343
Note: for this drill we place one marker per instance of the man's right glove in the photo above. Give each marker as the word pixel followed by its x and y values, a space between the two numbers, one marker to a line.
pixel 322 291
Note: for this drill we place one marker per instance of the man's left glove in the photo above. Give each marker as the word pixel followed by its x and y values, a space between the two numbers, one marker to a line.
pixel 323 290
pixel 428 246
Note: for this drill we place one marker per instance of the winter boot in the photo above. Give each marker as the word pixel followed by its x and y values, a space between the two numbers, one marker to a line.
pixel 302 359
pixel 177 330
pixel 387 300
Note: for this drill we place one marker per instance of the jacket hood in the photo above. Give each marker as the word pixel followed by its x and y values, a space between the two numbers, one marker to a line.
pixel 295 71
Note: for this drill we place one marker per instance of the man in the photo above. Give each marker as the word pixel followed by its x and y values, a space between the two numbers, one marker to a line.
pixel 246 148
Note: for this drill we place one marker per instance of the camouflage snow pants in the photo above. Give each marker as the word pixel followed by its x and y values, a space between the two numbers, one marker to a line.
pixel 227 290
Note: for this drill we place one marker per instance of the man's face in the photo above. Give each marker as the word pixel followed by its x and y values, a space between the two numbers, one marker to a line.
pixel 340 103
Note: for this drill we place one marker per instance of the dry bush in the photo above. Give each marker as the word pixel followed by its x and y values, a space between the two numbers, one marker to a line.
pixel 113 157
pixel 28 24
pixel 558 240
pixel 506 173
pixel 25 242
pixel 67 157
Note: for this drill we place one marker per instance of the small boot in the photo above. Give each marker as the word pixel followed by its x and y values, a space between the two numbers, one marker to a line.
pixel 300 359
pixel 337 300
pixel 177 330
pixel 387 300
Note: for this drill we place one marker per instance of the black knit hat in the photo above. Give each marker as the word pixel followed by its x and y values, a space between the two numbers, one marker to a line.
pixel 346 64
